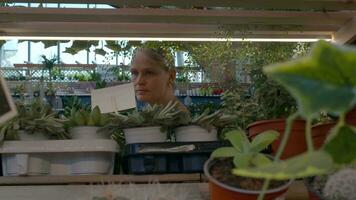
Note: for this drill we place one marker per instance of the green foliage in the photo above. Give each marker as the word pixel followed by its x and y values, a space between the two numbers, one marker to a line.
pixel 245 153
pixel 156 115
pixel 2 42
pixel 79 45
pixel 322 82
pixel 341 146
pixel 84 117
pixel 48 64
pixel 74 103
pixel 35 118
pixel 239 103
pixel 307 164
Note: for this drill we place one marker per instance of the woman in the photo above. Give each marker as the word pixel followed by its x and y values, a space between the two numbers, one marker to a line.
pixel 153 77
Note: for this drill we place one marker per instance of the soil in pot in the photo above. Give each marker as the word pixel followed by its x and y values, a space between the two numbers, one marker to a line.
pixel 221 170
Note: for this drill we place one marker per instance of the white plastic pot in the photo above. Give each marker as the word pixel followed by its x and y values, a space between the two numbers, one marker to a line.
pixel 87 133
pixel 144 135
pixel 58 157
pixel 194 134
pixel 26 164
pixel 92 163
pixel 24 136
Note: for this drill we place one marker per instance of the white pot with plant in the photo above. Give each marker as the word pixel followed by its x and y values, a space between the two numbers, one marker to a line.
pixel 34 122
pixel 85 124
pixel 146 126
pixel 201 128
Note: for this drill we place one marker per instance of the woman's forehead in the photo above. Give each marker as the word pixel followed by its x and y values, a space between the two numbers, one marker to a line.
pixel 141 60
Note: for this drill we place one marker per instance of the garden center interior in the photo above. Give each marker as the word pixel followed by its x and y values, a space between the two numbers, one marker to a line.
pixel 59 59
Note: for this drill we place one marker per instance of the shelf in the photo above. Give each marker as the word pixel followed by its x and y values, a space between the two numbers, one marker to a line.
pixel 41 180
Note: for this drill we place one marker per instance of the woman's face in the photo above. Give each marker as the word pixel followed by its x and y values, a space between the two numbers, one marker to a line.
pixel 151 81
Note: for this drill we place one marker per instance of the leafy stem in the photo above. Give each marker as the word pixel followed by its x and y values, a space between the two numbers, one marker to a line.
pixel 286 135
pixel 308 135
pixel 264 189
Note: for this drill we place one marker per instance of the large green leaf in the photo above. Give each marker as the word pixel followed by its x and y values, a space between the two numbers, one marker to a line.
pixel 342 147
pixel 262 140
pixel 224 152
pixel 326 81
pixel 307 164
pixel 239 140
pixel 242 160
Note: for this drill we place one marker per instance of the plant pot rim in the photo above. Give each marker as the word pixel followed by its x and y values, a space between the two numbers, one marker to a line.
pixel 307 183
pixel 75 127
pixel 324 124
pixel 143 127
pixel 192 125
pixel 207 166
pixel 272 120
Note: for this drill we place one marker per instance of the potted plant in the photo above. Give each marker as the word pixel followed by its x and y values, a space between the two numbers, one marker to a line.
pixel 149 125
pixel 322 82
pixel 273 102
pixel 202 127
pixel 84 124
pixel 243 154
pixel 34 122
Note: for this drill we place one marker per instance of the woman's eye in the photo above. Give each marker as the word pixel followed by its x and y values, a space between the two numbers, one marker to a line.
pixel 133 73
pixel 150 73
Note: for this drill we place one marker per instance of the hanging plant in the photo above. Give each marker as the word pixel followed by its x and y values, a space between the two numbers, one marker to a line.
pixel 2 42
pixel 100 52
pixel 79 45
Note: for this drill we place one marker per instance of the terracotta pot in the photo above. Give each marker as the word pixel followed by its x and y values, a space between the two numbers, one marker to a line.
pixel 351 117
pixel 320 133
pixel 221 191
pixel 296 143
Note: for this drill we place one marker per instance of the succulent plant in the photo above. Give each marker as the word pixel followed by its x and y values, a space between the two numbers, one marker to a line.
pixel 206 120
pixel 83 117
pixel 341 185
pixel 34 118
pixel 156 115
pixel 245 153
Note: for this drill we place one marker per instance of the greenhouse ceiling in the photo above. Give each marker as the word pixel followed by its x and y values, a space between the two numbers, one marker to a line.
pixel 274 19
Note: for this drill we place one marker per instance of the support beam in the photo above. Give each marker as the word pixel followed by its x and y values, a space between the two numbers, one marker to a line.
pixel 247 4
pixel 347 33
pixel 158 30
pixel 181 16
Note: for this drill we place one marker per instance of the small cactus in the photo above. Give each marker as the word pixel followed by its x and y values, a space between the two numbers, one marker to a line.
pixel 341 185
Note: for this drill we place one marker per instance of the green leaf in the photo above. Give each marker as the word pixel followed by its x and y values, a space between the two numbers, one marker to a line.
pixel 100 52
pixel 2 42
pixel 261 141
pixel 224 152
pixel 304 165
pixel 242 160
pixel 238 140
pixel 260 160
pixel 342 146
pixel 326 81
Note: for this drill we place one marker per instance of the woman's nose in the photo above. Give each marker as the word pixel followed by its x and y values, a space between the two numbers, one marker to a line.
pixel 140 80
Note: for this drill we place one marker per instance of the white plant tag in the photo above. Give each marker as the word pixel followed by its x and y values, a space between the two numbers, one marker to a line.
pixel 113 99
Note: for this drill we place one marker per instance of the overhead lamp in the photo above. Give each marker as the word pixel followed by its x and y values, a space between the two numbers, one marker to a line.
pixel 165 39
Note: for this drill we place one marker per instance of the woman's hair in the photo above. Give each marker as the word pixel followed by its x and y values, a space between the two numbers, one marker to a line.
pixel 161 56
